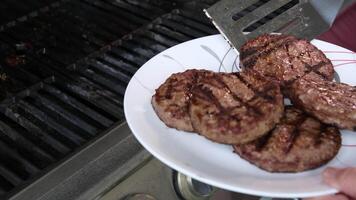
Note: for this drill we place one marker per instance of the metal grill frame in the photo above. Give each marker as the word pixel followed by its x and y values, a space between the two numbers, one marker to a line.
pixel 158 35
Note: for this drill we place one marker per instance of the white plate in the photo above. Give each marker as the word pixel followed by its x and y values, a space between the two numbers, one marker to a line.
pixel 211 162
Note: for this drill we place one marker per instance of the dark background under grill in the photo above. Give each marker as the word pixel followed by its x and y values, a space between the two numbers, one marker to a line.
pixel 64 67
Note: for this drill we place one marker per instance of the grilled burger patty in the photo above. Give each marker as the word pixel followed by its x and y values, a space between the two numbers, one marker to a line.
pixel 171 99
pixel 234 108
pixel 298 143
pixel 330 102
pixel 284 58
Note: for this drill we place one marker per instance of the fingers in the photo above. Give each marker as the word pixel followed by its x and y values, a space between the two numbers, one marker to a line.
pixel 342 179
pixel 331 197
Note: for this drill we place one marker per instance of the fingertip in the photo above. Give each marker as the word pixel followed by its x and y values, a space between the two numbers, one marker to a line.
pixel 329 197
pixel 330 177
pixel 331 168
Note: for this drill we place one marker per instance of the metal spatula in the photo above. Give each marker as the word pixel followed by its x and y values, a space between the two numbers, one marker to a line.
pixel 240 20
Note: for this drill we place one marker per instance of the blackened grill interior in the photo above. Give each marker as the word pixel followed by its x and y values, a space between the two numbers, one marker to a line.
pixel 64 67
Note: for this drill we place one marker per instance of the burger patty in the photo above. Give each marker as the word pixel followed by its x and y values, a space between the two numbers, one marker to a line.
pixel 330 102
pixel 260 45
pixel 298 143
pixel 234 108
pixel 284 59
pixel 171 99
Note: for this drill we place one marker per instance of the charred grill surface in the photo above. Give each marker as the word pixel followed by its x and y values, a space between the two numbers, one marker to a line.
pixel 330 102
pixel 234 108
pixel 298 143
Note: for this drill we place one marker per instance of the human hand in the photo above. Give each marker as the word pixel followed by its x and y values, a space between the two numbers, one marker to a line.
pixel 343 180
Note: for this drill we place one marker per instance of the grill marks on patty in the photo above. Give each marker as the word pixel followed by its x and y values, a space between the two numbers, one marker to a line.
pixel 171 99
pixel 216 82
pixel 225 109
pixel 299 142
pixel 284 59
pixel 250 57
pixel 231 108
pixel 330 102
pixel 292 119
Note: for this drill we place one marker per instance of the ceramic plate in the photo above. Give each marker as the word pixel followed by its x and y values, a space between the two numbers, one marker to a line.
pixel 214 163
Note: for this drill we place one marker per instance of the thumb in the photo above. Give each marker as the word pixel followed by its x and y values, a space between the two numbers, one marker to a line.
pixel 342 179
pixel 330 197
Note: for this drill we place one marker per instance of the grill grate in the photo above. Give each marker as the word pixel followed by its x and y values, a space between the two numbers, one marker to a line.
pixel 63 75
pixel 17 11
pixel 77 28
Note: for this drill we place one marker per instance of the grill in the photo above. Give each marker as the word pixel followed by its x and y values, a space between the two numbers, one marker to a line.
pixel 64 67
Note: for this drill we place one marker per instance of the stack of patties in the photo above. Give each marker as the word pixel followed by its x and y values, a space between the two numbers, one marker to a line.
pixel 307 136
pixel 229 108
pixel 246 108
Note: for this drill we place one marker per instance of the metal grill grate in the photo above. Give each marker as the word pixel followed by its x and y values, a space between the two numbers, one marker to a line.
pixel 113 69
pixel 51 103
pixel 77 28
pixel 17 11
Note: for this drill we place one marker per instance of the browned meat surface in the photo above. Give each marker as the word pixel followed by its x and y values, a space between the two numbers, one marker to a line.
pixel 284 58
pixel 235 108
pixel 296 144
pixel 262 44
pixel 171 99
pixel 330 102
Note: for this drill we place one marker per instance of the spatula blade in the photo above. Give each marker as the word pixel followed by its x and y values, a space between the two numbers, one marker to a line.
pixel 239 20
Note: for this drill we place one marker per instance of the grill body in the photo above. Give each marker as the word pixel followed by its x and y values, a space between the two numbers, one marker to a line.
pixel 64 67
